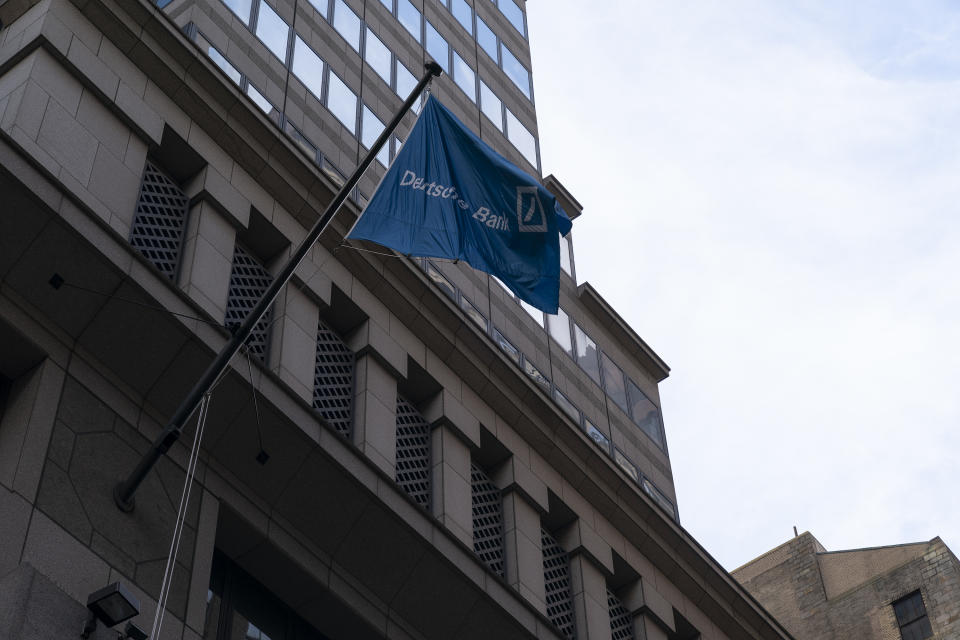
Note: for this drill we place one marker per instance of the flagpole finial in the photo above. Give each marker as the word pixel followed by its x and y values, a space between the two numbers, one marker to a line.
pixel 434 68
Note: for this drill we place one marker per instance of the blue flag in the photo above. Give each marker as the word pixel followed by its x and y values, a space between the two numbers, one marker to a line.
pixel 448 194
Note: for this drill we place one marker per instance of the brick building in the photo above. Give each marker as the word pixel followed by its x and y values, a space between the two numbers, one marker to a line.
pixel 908 591
pixel 404 450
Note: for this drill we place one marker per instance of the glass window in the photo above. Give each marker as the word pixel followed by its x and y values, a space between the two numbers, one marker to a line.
pixel 644 413
pixel 565 254
pixel 437 48
pixel 659 497
pixel 587 353
pixel 342 102
pixel 301 141
pixel 613 382
pixel 464 76
pixel 320 6
pixel 388 4
pixel 406 81
pixel 377 56
pixel 259 99
pixel 507 347
pixel 533 312
pixel 473 313
pixel 491 106
pixel 409 17
pixel 347 23
pixel 596 435
pixel 241 8
pixel 397 143
pixel 513 13
pixel 559 328
pixel 487 39
pixel 534 373
pixel 515 70
pixel 912 617
pixel 335 175
pixel 219 60
pixel 463 13
pixel 624 463
pixel 370 129
pixel 308 66
pixel 273 31
pixel 522 139
pixel 441 280
pixel 567 406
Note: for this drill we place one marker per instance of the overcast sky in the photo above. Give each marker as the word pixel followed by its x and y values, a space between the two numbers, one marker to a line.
pixel 771 197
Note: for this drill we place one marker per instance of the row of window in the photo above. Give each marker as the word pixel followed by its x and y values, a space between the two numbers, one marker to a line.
pixel 336 95
pixel 421 29
pixel 639 401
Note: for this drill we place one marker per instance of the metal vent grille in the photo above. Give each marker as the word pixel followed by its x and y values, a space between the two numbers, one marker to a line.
pixel 487 519
pixel 249 280
pixel 159 220
pixel 333 380
pixel 413 453
pixel 621 622
pixel 556 578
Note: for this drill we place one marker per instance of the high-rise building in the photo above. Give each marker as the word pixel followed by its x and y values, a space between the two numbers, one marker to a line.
pixel 403 449
pixel 897 592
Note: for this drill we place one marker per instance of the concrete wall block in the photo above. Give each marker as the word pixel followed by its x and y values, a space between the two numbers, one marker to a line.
pixel 13 529
pixel 128 73
pixel 372 339
pixel 445 409
pixel 143 110
pixel 105 127
pixel 77 23
pixel 210 185
pixel 657 603
pixel 98 73
pixel 452 498
pixel 297 357
pixel 209 150
pixel 116 186
pixel 582 538
pixel 588 589
pixel 62 558
pixel 513 475
pixel 204 270
pixel 202 560
pixel 27 424
pixel 56 81
pixel 375 413
pixel 67 142
pixel 25 109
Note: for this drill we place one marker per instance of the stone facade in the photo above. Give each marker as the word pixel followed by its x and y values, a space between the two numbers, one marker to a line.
pixel 143 195
pixel 821 595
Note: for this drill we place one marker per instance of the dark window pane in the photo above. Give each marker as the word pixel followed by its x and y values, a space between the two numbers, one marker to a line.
pixel 512 352
pixel 463 13
pixel 534 373
pixel 473 313
pixel 587 353
pixel 613 382
pixel 559 328
pixel 567 406
pixel 441 280
pixel 437 48
pixel 624 463
pixel 487 39
pixel 409 17
pixel 597 436
pixel 644 413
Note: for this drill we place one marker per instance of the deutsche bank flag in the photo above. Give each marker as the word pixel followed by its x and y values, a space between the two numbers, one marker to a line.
pixel 449 195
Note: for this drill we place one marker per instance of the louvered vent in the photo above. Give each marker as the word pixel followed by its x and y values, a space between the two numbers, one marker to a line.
pixel 487 519
pixel 159 220
pixel 333 380
pixel 413 453
pixel 249 280
pixel 621 622
pixel 556 578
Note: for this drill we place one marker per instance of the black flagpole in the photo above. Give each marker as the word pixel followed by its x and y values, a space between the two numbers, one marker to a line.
pixel 123 493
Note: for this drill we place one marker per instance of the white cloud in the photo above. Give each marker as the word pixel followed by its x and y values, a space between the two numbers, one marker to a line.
pixel 775 211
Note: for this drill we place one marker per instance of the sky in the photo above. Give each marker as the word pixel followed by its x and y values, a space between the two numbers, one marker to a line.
pixel 771 196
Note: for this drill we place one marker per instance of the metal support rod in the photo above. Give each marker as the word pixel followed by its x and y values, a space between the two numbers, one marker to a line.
pixel 123 492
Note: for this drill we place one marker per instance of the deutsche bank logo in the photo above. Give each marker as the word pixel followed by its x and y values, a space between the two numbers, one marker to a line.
pixel 530 213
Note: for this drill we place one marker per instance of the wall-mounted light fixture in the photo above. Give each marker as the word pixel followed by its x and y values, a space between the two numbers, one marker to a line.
pixel 112 605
